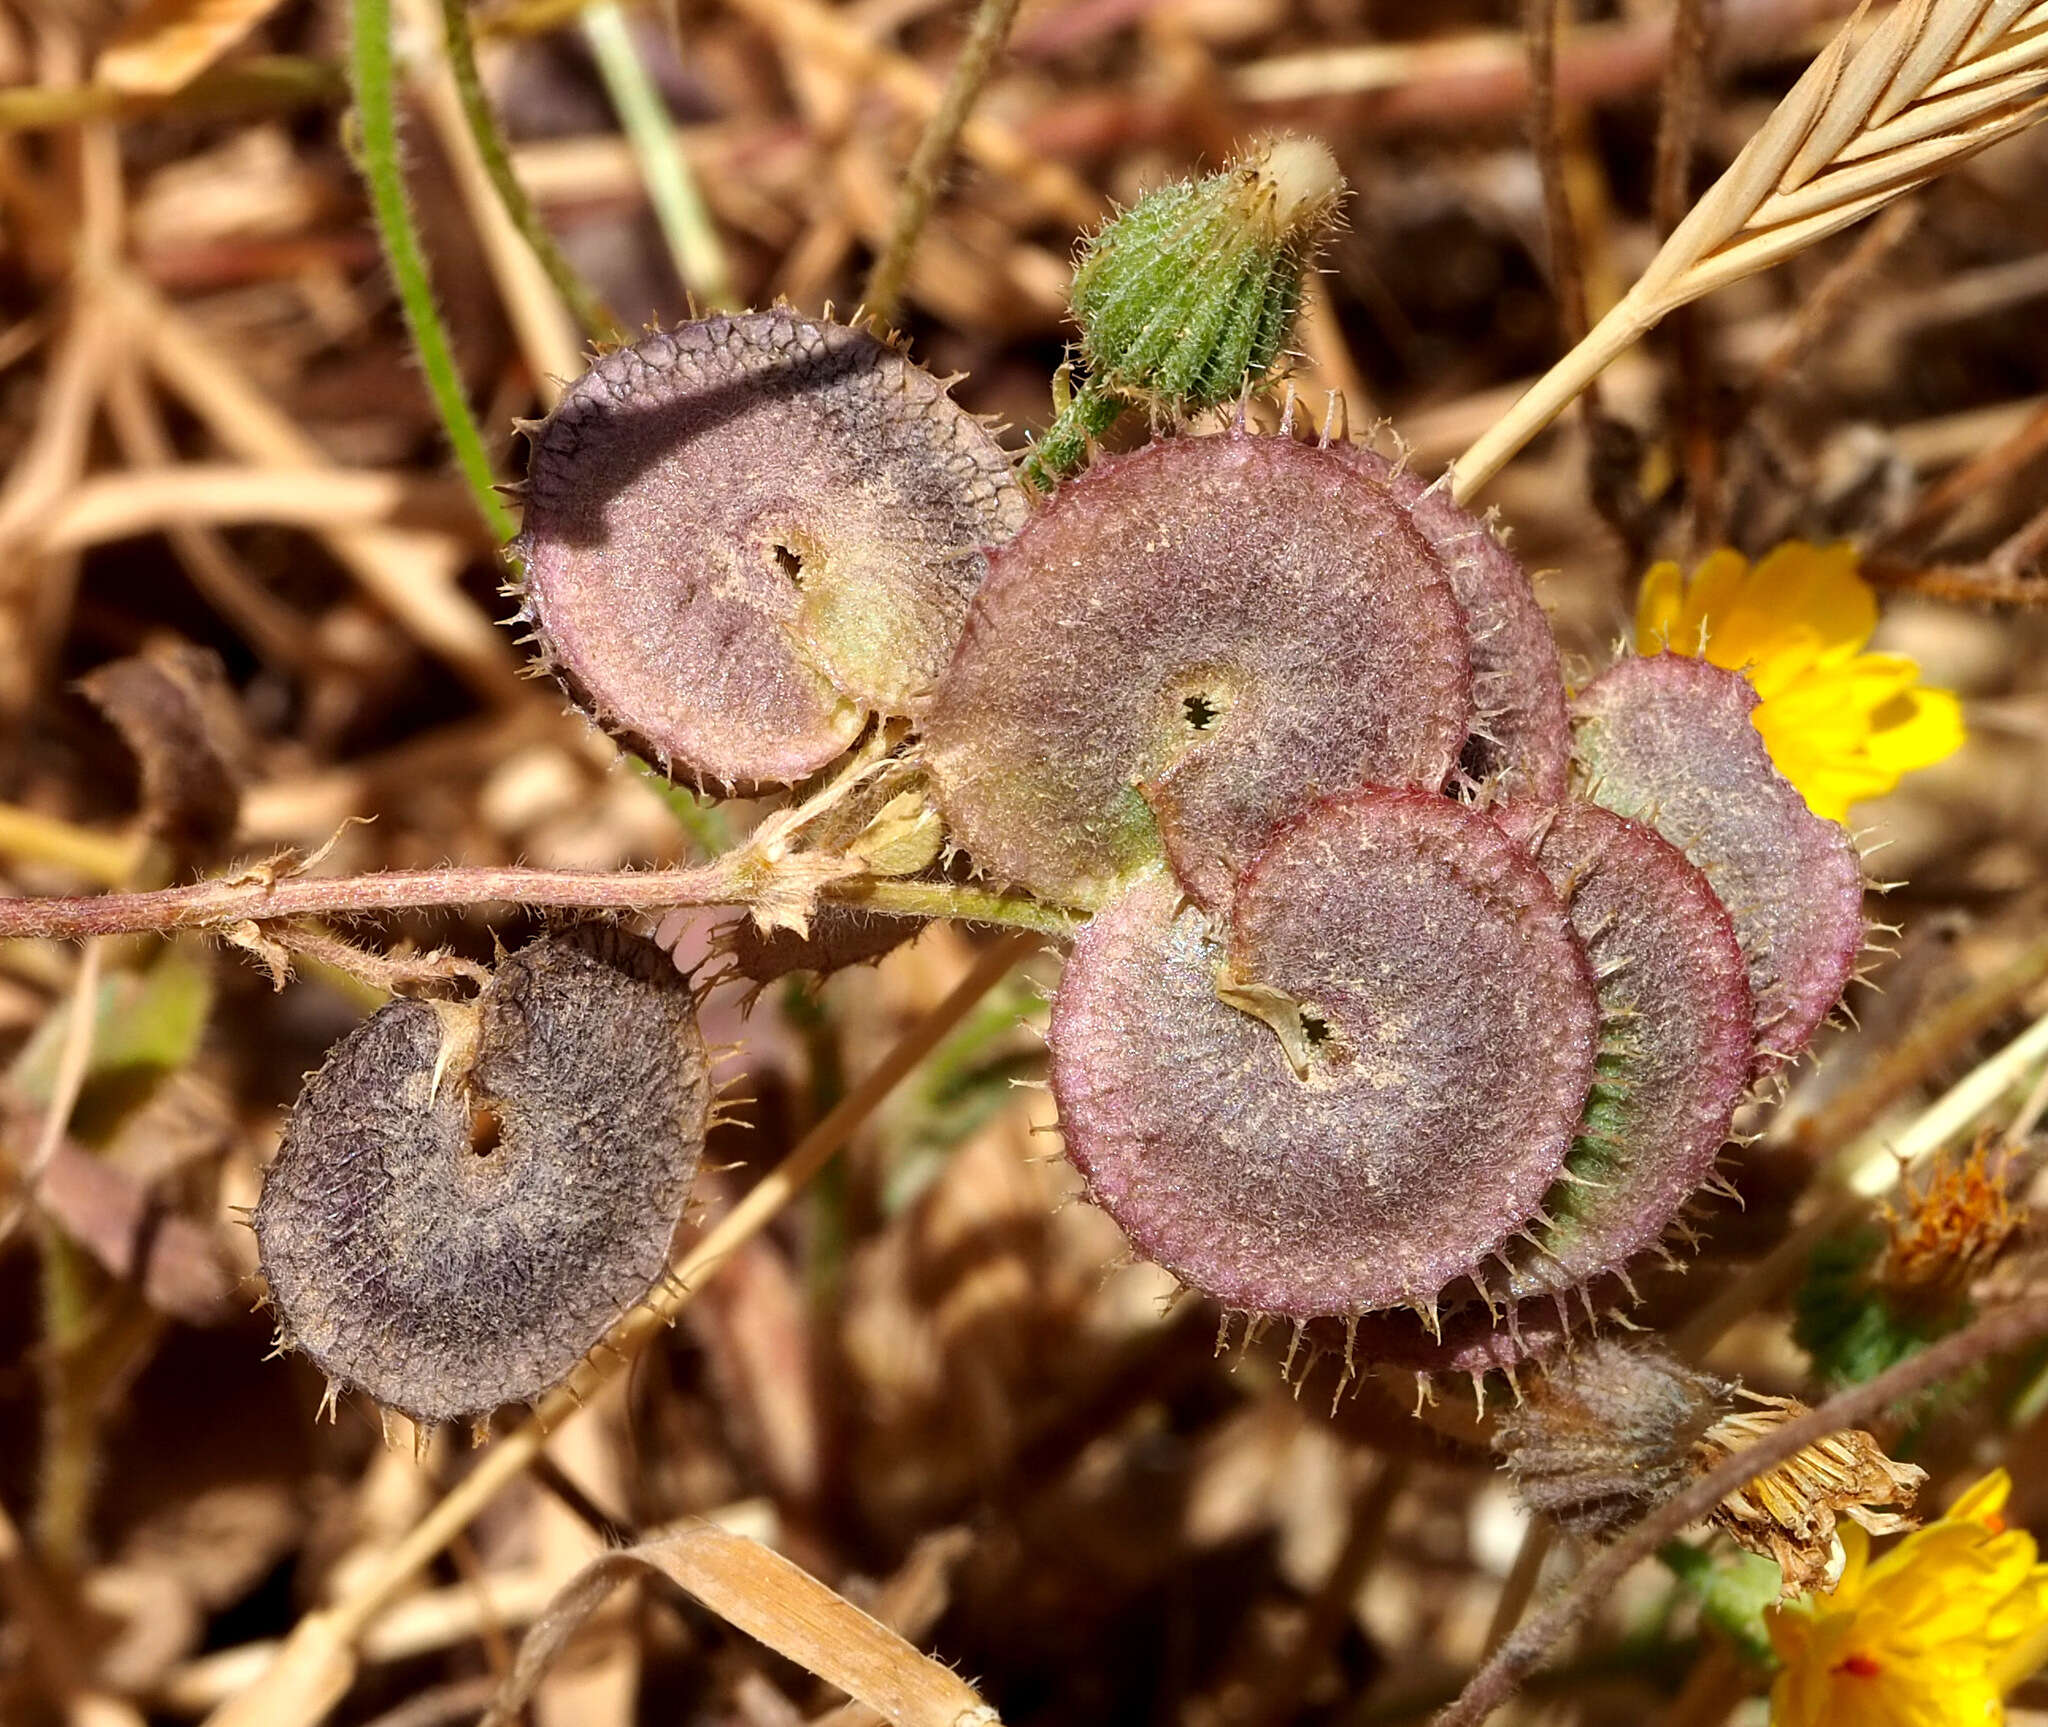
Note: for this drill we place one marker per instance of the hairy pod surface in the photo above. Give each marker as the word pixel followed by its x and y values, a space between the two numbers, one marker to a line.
pixel 468 1196
pixel 1676 1041
pixel 1185 648
pixel 1521 738
pixel 839 936
pixel 1607 1433
pixel 1358 1093
pixel 745 535
pixel 1668 740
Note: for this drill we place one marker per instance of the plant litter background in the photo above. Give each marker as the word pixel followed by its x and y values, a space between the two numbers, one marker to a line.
pixel 929 1383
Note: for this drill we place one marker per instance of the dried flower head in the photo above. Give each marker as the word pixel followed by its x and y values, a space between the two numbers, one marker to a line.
pixel 1606 1433
pixel 1788 1513
pixel 1953 1227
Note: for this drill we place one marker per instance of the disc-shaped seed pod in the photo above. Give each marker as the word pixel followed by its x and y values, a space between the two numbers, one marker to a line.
pixel 745 535
pixel 1676 1042
pixel 1521 739
pixel 1185 648
pixel 468 1196
pixel 1668 740
pixel 1358 1093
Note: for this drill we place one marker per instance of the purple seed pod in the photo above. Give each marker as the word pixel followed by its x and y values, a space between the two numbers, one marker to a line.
pixel 468 1196
pixel 839 936
pixel 1358 1093
pixel 1668 740
pixel 746 535
pixel 1521 737
pixel 1189 645
pixel 1675 1054
pixel 1468 1342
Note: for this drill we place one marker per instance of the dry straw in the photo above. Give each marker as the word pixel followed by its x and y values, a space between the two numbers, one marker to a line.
pixel 1874 116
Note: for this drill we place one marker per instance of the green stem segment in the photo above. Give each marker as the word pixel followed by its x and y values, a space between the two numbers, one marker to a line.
pixel 589 311
pixel 1088 415
pixel 372 73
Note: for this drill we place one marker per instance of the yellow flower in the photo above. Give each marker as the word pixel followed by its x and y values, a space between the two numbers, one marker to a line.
pixel 1841 724
pixel 1932 1635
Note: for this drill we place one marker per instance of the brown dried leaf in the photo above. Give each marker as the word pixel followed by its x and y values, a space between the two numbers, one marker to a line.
pixel 168 43
pixel 173 708
pixel 768 1598
pixel 112 1215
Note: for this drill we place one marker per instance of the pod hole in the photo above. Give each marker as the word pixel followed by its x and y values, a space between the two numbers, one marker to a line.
pixel 485 1130
pixel 1201 711
pixel 790 562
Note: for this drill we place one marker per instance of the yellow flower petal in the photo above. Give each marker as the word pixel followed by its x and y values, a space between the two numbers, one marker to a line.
pixel 1930 729
pixel 1658 604
pixel 1842 725
pixel 1931 1635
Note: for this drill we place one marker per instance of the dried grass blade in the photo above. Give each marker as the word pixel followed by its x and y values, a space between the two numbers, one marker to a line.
pixel 1939 46
pixel 2027 48
pixel 1819 163
pixel 167 43
pixel 769 1598
pixel 1870 72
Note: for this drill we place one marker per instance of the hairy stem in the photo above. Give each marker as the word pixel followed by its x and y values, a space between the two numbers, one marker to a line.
pixel 934 152
pixel 589 311
pixel 313 1670
pixel 1522 1653
pixel 372 73
pixel 1089 413
pixel 737 879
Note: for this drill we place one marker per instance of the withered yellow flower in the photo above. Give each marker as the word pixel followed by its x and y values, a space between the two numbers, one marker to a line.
pixel 1788 1513
pixel 1841 724
pixel 1932 1635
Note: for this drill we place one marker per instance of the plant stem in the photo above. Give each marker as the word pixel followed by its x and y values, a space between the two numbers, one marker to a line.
pixel 1522 1653
pixel 584 305
pixel 952 900
pixel 738 879
pixel 261 83
pixel 671 186
pixel 313 1670
pixel 372 73
pixel 934 153
pixel 1090 412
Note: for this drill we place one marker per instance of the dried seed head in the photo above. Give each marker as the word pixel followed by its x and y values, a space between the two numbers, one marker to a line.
pixel 1191 293
pixel 745 535
pixel 1949 1230
pixel 1788 1513
pixel 469 1196
pixel 1675 1041
pixel 1522 740
pixel 1607 1433
pixel 1185 648
pixel 1668 740
pixel 1356 1095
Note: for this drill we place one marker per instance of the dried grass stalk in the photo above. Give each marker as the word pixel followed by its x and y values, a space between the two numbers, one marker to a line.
pixel 1874 116
pixel 767 1597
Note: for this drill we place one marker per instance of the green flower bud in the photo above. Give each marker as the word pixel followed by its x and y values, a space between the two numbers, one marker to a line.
pixel 1193 290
